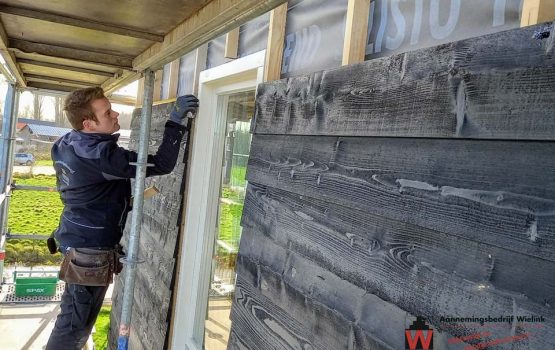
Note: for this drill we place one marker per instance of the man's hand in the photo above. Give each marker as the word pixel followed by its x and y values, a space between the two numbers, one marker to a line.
pixel 185 107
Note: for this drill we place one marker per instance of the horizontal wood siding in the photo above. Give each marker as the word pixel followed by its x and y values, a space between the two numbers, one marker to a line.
pixel 157 246
pixel 498 86
pixel 421 184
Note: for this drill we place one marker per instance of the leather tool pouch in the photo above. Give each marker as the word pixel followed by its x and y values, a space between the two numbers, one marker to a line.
pixel 89 267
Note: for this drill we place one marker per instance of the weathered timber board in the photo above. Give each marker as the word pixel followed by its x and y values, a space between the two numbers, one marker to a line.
pixel 280 317
pixel 443 205
pixel 499 86
pixel 495 192
pixel 352 243
pixel 157 246
pixel 306 288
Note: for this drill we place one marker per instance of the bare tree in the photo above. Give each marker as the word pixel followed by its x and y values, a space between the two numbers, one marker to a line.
pixel 59 115
pixel 38 101
pixel 25 112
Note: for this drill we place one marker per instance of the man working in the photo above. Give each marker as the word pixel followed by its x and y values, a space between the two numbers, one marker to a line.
pixel 93 180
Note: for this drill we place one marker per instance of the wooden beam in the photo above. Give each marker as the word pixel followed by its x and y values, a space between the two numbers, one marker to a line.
pixel 140 93
pixel 232 43
pixel 9 57
pixel 174 78
pixel 274 49
pixel 53 87
pixel 537 11
pixel 157 93
pixel 71 53
pixel 79 22
pixel 59 81
pixel 214 19
pixel 121 79
pixel 200 65
pixel 64 67
pixel 123 100
pixel 356 31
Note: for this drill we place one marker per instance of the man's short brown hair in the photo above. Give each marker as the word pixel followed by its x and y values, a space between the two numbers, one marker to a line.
pixel 78 105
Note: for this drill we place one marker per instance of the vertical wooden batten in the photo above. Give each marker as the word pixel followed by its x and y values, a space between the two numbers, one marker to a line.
pixel 356 31
pixel 174 78
pixel 157 95
pixel 276 38
pixel 232 43
pixel 140 92
pixel 537 11
pixel 200 65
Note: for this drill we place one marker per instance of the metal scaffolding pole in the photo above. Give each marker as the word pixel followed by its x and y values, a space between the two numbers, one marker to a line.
pixel 137 214
pixel 6 162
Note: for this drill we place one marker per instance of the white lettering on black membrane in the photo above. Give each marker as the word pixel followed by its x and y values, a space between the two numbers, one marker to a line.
pixel 393 37
pixel 439 31
pixel 301 48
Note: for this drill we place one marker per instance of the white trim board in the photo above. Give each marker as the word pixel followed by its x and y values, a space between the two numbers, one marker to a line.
pixel 202 195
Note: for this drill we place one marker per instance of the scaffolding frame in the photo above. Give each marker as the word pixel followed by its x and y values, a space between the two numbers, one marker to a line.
pixel 6 161
pixel 6 187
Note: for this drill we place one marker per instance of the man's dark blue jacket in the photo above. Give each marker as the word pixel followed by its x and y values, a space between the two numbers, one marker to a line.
pixel 93 175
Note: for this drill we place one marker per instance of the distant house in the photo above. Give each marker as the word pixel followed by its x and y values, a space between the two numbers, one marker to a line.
pixel 37 135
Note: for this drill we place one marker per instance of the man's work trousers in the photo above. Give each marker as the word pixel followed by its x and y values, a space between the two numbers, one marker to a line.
pixel 79 308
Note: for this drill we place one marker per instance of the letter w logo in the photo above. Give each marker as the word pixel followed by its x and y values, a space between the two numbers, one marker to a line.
pixel 419 341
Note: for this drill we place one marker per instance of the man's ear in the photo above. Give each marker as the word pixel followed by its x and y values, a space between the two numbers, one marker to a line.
pixel 88 125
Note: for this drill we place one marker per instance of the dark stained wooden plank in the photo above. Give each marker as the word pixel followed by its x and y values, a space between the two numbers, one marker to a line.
pixel 350 242
pixel 268 313
pixel 287 279
pixel 499 193
pixel 499 86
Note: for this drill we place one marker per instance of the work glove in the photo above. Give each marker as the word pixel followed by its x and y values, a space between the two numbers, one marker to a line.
pixel 185 107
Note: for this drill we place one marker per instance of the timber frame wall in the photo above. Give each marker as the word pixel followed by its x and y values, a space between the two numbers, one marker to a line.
pixel 423 188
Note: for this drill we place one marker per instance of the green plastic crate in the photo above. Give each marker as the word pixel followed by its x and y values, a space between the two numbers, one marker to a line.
pixel 35 286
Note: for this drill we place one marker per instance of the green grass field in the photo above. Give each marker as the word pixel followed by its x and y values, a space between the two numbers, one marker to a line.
pixel 102 327
pixel 39 212
pixel 33 212
pixel 43 162
pixel 230 218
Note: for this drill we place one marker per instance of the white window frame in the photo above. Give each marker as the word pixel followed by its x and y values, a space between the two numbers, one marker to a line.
pixel 203 192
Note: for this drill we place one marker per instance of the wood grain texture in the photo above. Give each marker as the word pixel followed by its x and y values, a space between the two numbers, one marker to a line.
pixel 443 205
pixel 499 86
pixel 157 246
pixel 232 43
pixel 279 316
pixel 356 31
pixel 324 301
pixel 214 19
pixel 493 192
pixel 157 90
pixel 174 79
pixel 276 38
pixel 537 11
pixel 350 243
pixel 9 57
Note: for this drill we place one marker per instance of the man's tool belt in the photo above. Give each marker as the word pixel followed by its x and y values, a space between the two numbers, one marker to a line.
pixel 91 267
